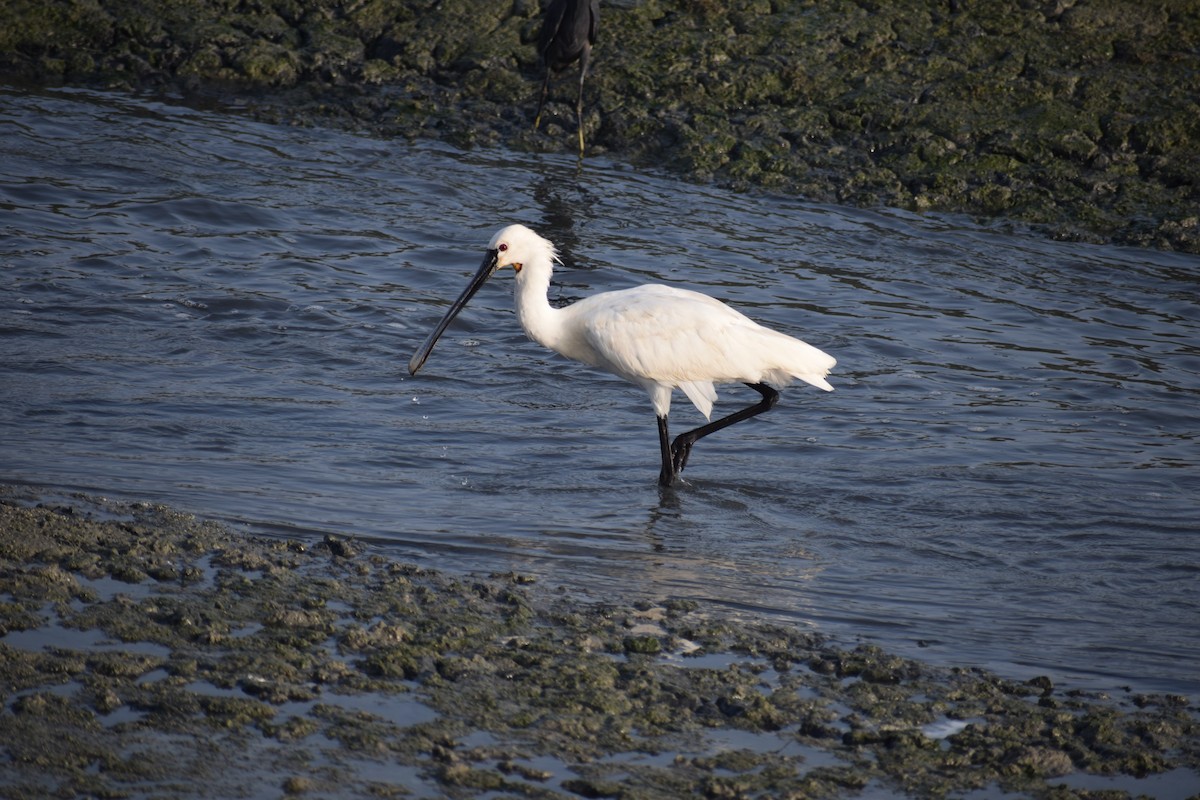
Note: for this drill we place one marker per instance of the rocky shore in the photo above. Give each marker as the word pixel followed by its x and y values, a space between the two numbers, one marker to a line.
pixel 1080 117
pixel 146 653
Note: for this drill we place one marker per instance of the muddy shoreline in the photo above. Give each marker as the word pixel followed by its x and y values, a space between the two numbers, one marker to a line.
pixel 147 653
pixel 1080 118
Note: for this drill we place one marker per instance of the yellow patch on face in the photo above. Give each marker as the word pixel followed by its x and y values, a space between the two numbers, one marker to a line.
pixel 517 267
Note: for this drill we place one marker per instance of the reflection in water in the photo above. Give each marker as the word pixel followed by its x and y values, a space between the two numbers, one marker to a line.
pixel 668 508
pixel 216 314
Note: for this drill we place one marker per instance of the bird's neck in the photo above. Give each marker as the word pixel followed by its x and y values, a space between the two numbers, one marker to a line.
pixel 539 319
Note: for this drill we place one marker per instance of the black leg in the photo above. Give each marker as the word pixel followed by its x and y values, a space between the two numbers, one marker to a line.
pixel 542 102
pixel 583 65
pixel 682 448
pixel 667 476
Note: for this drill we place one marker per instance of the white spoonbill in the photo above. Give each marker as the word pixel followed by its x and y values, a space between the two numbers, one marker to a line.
pixel 659 337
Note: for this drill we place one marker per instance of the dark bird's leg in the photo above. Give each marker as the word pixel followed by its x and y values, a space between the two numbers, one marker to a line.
pixel 682 447
pixel 584 56
pixel 542 102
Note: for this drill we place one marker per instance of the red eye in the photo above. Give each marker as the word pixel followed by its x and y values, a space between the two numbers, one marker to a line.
pixel 502 248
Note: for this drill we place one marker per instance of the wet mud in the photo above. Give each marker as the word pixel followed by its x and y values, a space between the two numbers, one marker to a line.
pixel 147 653
pixel 1079 117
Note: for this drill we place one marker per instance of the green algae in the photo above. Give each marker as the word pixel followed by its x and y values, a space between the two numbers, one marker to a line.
pixel 254 654
pixel 1080 117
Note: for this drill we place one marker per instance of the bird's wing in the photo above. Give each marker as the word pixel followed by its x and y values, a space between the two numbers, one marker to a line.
pixel 550 25
pixel 675 337
pixel 663 335
pixel 594 20
pixel 648 332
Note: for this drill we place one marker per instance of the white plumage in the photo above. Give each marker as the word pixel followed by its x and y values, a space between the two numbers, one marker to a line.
pixel 658 337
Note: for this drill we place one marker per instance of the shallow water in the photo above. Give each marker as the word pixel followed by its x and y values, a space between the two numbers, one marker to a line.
pixel 218 314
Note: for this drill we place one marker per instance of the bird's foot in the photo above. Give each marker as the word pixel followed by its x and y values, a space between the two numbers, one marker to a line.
pixel 681 449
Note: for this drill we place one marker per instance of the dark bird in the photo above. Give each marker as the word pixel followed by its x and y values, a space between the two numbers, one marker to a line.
pixel 568 33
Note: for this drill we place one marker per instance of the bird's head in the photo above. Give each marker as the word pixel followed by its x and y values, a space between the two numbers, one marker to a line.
pixel 514 246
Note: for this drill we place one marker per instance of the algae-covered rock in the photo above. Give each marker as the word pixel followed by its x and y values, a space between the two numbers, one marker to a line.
pixel 319 670
pixel 1083 117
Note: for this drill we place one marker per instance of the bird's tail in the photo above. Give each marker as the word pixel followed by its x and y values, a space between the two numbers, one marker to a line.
pixel 816 380
pixel 807 363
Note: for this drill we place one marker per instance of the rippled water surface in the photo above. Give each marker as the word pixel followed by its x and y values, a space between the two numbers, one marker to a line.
pixel 217 314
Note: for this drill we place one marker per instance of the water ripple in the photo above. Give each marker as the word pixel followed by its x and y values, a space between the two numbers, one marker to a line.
pixel 217 314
